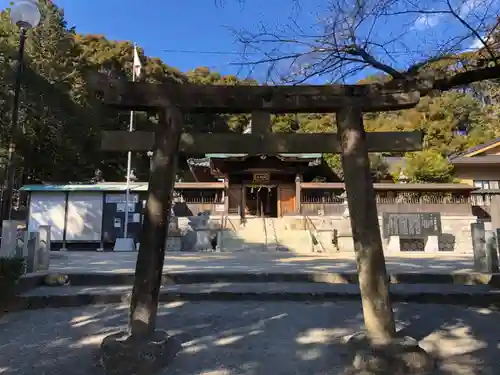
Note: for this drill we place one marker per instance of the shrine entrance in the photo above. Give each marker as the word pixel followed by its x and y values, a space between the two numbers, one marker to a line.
pixel 261 200
pixel 167 140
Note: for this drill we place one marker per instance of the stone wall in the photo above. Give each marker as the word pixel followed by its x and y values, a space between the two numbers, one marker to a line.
pixel 456 234
pixel 298 234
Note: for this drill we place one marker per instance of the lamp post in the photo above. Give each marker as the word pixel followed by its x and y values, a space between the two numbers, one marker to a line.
pixel 150 156
pixel 403 178
pixel 26 15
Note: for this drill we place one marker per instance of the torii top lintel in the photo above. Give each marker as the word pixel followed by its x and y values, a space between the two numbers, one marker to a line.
pixel 191 98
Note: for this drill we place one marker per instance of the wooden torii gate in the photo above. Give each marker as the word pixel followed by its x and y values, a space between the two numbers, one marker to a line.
pixel 172 101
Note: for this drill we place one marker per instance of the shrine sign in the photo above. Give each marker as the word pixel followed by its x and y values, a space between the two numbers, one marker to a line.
pixel 411 225
pixel 262 178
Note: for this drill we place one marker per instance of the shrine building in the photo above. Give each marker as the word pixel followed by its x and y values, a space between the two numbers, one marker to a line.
pixel 264 185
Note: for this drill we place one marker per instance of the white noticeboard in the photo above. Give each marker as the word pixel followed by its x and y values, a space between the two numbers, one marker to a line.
pixel 47 208
pixel 122 198
pixel 84 221
pixel 120 207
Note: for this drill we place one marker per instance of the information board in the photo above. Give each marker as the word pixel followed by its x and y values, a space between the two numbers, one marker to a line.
pixel 411 225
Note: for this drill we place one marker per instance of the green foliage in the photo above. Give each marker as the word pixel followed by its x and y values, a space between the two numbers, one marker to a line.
pixel 62 120
pixel 427 166
pixel 11 270
pixel 378 165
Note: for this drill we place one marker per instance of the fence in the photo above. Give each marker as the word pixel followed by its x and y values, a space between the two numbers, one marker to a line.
pixel 486 205
pixel 331 203
pixel 194 202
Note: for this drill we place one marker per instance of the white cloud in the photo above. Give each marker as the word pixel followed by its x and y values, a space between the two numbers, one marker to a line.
pixel 468 6
pixel 476 44
pixel 427 21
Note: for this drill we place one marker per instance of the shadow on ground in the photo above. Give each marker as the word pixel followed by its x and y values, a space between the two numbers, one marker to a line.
pixel 246 337
pixel 254 262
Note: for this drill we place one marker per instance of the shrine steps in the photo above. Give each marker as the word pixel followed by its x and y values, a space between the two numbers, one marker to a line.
pixel 266 235
pixel 92 278
pixel 66 296
pixel 87 288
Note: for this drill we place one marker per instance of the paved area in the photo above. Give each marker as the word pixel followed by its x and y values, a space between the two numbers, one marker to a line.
pixel 270 288
pixel 246 338
pixel 257 262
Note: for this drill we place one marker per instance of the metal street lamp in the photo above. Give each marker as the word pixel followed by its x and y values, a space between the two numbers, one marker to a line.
pixel 150 156
pixel 26 15
pixel 403 178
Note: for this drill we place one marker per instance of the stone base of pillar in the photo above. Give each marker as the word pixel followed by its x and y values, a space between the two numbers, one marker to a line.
pixel 402 355
pixel 122 354
pixel 124 245
pixel 432 244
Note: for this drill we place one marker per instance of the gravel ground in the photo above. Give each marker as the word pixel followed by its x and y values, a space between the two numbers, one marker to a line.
pixel 291 287
pixel 258 262
pixel 251 338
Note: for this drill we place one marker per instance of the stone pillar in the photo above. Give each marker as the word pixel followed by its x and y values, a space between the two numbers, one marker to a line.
pixel 298 180
pixel 149 267
pixel 373 280
pixel 394 244
pixel 485 255
pixel 44 248
pixel 32 245
pixel 495 211
pixel 9 238
pixel 173 241
pixel 432 244
pixel 143 349
pixel 21 242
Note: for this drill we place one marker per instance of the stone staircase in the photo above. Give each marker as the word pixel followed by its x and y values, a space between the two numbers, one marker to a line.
pixel 296 241
pixel 266 235
pixel 248 236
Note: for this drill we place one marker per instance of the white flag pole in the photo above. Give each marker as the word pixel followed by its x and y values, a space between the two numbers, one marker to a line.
pixel 129 155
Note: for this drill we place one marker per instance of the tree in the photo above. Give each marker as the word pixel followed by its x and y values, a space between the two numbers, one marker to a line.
pixel 378 165
pixel 427 166
pixel 61 118
pixel 349 40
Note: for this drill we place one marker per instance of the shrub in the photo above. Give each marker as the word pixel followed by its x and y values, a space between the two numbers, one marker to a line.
pixel 11 270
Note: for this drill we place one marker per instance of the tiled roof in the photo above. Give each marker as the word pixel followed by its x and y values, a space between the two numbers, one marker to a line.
pixel 476 148
pixel 298 156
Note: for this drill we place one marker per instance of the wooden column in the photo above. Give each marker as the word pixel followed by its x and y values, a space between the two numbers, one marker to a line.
pixel 261 122
pixel 298 180
pixel 373 280
pixel 226 194
pixel 149 267
pixel 243 201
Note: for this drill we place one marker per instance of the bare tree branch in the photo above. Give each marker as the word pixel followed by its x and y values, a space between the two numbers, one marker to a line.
pixel 353 38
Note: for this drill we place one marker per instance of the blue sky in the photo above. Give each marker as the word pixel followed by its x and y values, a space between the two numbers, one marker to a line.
pixel 160 26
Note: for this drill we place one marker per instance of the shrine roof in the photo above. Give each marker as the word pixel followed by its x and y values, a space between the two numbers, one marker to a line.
pixel 295 156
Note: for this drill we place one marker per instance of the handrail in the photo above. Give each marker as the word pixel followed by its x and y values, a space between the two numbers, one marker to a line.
pixel 264 224
pixel 313 237
pixel 275 234
pixel 221 231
